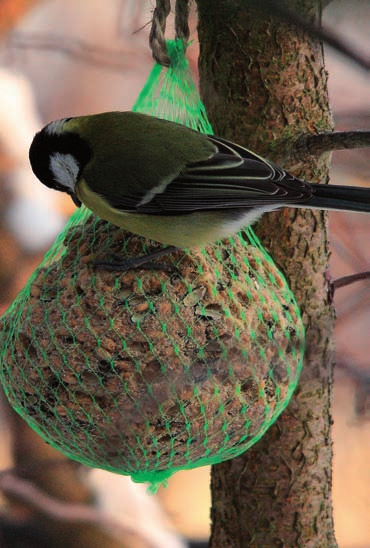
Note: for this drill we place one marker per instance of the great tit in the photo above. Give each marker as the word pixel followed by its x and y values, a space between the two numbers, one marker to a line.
pixel 169 183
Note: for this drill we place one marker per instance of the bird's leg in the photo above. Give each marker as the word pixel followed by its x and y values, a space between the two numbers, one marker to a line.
pixel 143 262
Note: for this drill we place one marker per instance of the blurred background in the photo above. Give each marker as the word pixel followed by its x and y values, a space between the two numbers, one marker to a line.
pixel 64 58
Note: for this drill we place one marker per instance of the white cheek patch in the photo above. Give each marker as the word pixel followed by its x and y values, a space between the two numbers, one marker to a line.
pixel 65 169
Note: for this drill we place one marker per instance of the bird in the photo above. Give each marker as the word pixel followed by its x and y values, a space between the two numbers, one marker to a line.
pixel 169 183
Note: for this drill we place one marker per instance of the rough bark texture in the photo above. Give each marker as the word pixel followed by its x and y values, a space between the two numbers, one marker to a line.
pixel 264 83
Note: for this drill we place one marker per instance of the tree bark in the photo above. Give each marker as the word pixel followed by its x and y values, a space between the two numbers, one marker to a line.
pixel 263 83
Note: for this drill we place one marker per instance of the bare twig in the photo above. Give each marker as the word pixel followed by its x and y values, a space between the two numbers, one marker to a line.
pixel 130 16
pixel 358 373
pixel 351 251
pixel 334 140
pixel 27 492
pixel 347 280
pixel 117 60
pixel 361 379
pixel 37 465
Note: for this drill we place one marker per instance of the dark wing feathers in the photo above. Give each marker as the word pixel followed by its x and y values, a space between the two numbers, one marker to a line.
pixel 232 178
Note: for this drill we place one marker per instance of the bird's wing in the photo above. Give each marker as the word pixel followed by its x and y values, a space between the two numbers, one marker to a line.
pixel 233 177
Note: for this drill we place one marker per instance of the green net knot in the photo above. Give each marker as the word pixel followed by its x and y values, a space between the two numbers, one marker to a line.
pixel 171 93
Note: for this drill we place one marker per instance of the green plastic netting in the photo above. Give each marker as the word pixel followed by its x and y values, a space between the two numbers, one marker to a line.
pixel 148 372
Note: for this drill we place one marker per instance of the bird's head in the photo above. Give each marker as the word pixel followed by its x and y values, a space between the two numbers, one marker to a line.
pixel 58 154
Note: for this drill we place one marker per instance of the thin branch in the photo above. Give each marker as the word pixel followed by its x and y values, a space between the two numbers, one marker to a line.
pixel 348 280
pixel 39 465
pixel 117 60
pixel 361 379
pixel 65 511
pixel 358 372
pixel 130 14
pixel 329 37
pixel 332 140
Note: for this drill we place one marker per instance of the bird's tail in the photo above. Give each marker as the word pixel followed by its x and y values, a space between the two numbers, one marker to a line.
pixel 349 198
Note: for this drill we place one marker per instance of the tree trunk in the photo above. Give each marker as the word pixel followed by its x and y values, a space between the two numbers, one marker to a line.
pixel 264 84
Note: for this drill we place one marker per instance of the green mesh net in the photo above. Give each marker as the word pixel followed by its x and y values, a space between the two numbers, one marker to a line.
pixel 171 93
pixel 148 372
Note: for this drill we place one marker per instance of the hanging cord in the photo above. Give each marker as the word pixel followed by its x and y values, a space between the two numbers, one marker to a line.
pixel 182 21
pixel 157 40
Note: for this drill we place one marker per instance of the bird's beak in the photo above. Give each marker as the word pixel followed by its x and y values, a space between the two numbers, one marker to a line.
pixel 75 200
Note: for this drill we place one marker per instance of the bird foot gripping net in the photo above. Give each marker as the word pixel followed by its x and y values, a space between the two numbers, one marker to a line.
pixel 148 372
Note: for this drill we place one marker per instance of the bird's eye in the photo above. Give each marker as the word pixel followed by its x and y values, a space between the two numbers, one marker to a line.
pixel 58 186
